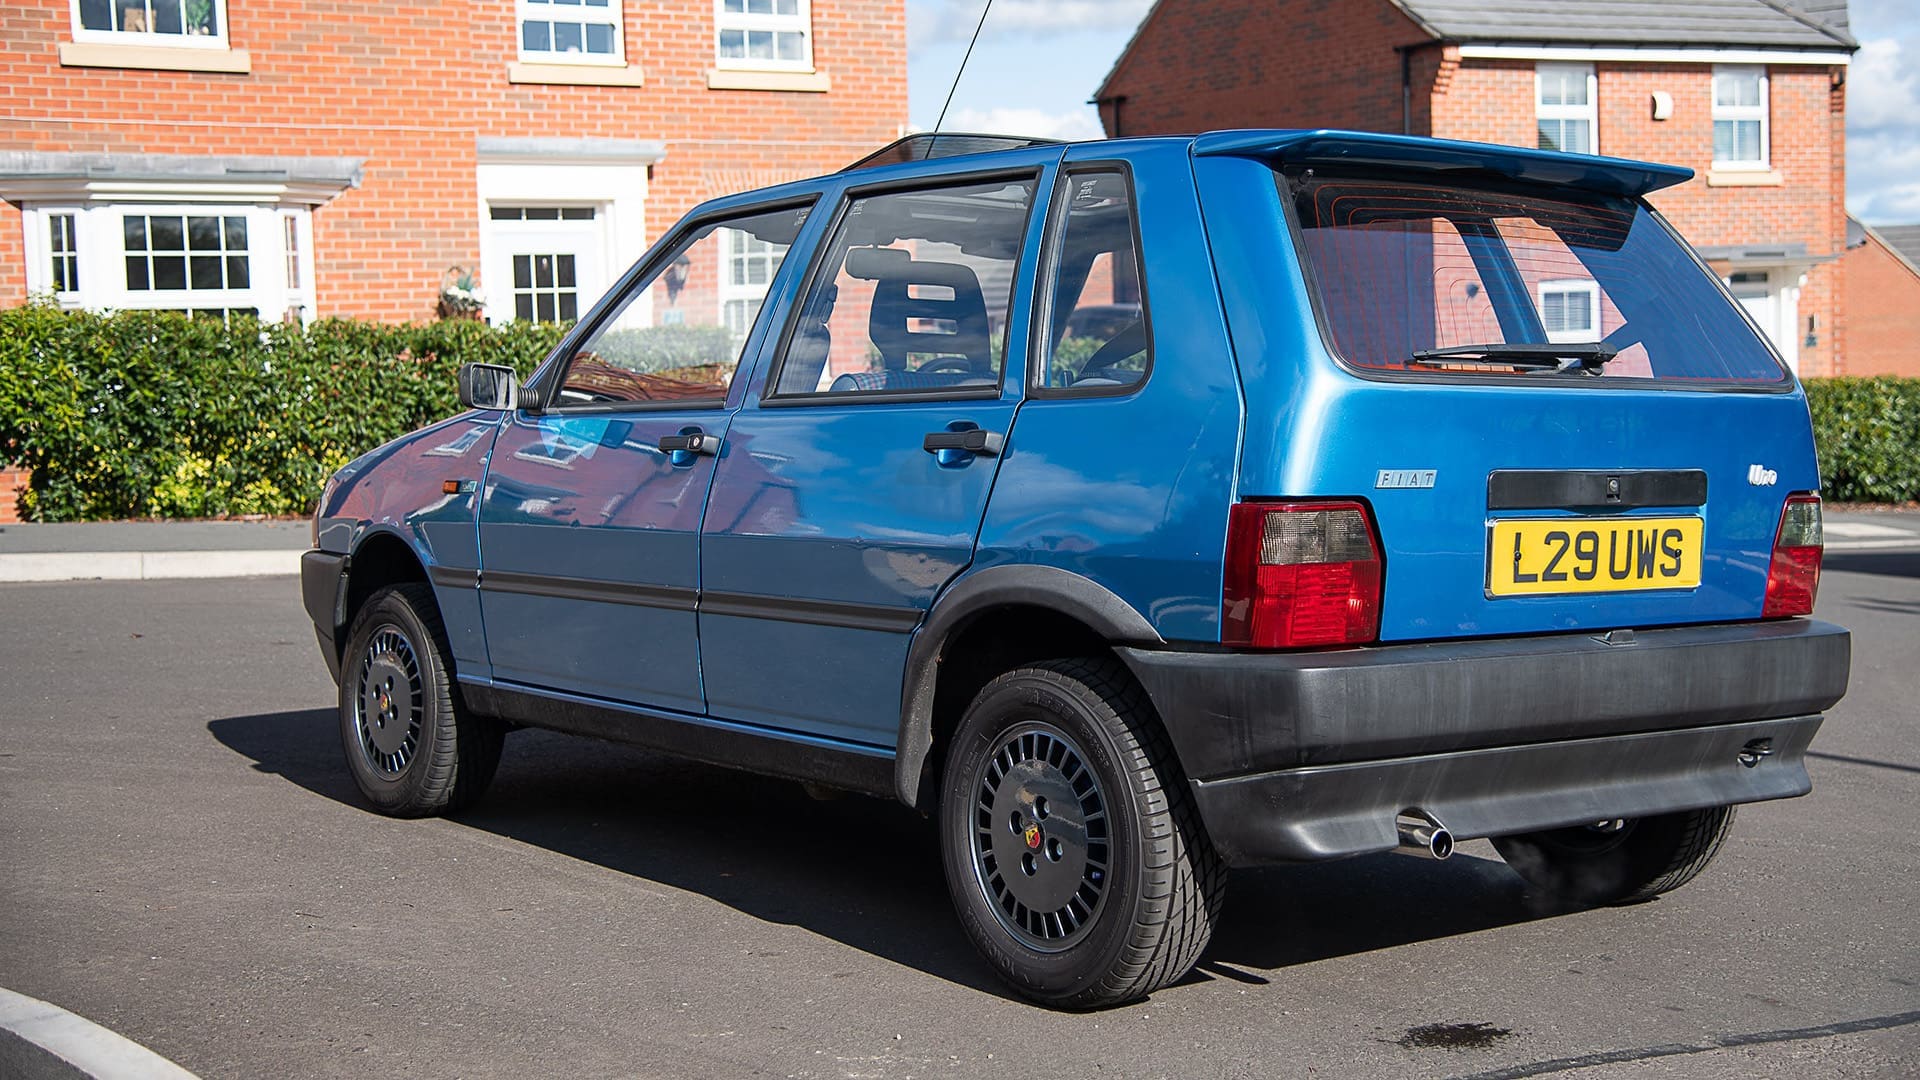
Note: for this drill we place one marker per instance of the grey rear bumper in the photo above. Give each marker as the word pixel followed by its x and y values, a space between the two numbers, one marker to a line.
pixel 1310 755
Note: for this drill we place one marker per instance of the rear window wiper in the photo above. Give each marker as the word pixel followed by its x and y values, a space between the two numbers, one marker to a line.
pixel 1582 355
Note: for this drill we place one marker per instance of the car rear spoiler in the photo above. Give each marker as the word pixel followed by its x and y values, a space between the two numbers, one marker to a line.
pixel 1613 176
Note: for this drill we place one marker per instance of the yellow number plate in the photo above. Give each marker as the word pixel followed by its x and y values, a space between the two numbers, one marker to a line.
pixel 1563 555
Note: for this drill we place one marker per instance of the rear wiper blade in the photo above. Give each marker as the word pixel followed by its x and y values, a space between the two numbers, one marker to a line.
pixel 1584 355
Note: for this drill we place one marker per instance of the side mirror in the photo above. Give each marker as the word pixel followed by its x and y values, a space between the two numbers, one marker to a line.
pixel 489 386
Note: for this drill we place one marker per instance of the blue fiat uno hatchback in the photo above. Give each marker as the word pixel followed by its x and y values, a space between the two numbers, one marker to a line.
pixel 1137 509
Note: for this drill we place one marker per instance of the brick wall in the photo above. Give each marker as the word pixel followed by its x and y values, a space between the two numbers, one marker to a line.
pixel 408 86
pixel 1883 313
pixel 13 483
pixel 1201 64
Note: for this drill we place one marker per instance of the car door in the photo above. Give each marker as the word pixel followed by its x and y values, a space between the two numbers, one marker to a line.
pixel 855 479
pixel 589 524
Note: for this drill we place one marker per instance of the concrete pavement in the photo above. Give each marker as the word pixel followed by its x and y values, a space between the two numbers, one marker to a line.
pixel 143 550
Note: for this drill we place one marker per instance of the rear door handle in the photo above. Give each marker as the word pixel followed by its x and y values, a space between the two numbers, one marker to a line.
pixel 973 441
pixel 694 442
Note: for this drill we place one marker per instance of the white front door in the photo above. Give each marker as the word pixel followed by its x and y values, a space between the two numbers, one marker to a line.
pixel 544 263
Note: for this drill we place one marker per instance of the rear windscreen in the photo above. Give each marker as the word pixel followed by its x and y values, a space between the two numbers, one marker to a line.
pixel 1476 281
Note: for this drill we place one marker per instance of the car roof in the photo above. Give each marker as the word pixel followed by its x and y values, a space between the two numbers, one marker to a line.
pixel 944 153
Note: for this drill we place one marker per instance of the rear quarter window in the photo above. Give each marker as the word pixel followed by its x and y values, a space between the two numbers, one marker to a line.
pixel 1403 270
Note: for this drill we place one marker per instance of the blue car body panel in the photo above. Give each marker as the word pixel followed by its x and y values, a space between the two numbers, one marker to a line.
pixel 831 530
pixel 396 490
pixel 1113 488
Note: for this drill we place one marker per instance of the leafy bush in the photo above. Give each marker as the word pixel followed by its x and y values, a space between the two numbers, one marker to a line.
pixel 1867 432
pixel 148 414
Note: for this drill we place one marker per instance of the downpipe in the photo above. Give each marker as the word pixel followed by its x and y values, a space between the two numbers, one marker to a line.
pixel 1421 835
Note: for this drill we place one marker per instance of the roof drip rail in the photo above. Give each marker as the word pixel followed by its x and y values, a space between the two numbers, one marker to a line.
pixel 924 145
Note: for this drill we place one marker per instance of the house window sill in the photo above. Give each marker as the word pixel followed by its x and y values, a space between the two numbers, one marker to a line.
pixel 155 57
pixel 1745 178
pixel 806 82
pixel 574 74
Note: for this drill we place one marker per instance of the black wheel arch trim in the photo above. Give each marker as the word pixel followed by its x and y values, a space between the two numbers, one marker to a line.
pixel 975 594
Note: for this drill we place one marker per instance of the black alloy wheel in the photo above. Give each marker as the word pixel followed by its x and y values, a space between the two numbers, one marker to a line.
pixel 1619 860
pixel 412 746
pixel 1075 858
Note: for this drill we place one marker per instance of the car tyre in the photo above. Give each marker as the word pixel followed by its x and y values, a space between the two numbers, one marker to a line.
pixel 1619 862
pixel 413 747
pixel 1116 889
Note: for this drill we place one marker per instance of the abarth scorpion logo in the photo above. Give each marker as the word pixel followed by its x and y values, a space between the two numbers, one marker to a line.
pixel 1032 837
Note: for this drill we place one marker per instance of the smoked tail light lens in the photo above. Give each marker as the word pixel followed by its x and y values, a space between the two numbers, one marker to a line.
pixel 1793 574
pixel 1300 574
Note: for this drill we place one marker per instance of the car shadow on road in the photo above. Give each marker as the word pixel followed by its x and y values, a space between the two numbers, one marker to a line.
pixel 1886 563
pixel 866 872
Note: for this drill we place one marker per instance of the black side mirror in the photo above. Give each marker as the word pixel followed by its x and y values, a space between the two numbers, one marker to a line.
pixel 489 386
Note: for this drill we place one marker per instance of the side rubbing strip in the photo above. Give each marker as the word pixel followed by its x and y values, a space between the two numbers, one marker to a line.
pixel 892 620
pixel 448 577
pixel 610 592
pixel 1625 489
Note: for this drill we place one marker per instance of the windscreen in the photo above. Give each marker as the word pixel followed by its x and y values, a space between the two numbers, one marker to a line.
pixel 1557 284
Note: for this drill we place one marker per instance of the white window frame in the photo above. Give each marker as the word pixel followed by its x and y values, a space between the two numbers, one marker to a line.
pixel 39 252
pixel 801 23
pixel 215 40
pixel 1744 113
pixel 546 12
pixel 1590 112
pixel 100 238
pixel 1568 287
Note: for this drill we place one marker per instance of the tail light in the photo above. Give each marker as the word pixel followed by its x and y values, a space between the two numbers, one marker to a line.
pixel 1299 574
pixel 1793 575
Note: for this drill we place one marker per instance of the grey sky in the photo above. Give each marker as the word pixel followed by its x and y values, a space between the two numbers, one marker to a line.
pixel 1039 61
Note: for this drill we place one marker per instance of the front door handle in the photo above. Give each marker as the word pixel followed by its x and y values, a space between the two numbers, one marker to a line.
pixel 972 440
pixel 692 442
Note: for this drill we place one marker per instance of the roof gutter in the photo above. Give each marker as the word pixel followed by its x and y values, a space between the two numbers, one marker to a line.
pixel 1658 54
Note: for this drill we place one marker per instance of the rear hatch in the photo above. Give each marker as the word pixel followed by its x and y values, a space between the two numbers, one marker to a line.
pixel 1557 416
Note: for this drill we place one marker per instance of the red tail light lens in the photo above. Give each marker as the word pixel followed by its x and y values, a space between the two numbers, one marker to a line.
pixel 1793 575
pixel 1300 574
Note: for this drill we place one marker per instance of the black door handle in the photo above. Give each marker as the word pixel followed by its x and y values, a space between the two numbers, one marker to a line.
pixel 697 442
pixel 973 441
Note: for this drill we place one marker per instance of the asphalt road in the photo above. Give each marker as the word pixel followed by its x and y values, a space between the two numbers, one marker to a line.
pixel 184 859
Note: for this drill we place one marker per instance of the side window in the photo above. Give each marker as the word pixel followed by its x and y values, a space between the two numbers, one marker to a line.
pixel 913 293
pixel 1098 335
pixel 677 335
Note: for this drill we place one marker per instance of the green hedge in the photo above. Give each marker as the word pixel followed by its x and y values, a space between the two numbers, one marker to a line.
pixel 1867 432
pixel 142 414
pixel 145 414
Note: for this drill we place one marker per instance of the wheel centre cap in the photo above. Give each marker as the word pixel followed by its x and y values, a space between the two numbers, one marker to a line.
pixel 385 714
pixel 1040 842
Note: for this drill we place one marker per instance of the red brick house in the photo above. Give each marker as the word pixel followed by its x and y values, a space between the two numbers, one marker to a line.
pixel 1882 269
pixel 1749 93
pixel 320 158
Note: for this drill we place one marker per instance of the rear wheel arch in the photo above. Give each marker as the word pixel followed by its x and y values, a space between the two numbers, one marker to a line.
pixel 987 623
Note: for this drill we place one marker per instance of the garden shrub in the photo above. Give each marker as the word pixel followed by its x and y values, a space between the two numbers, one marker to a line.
pixel 150 414
pixel 1867 432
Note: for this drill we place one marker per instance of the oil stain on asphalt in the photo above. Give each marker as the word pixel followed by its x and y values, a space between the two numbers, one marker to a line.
pixel 1453 1036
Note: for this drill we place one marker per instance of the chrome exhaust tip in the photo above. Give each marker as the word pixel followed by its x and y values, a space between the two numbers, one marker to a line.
pixel 1421 835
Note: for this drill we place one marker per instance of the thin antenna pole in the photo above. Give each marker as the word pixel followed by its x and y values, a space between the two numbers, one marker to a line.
pixel 968 55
